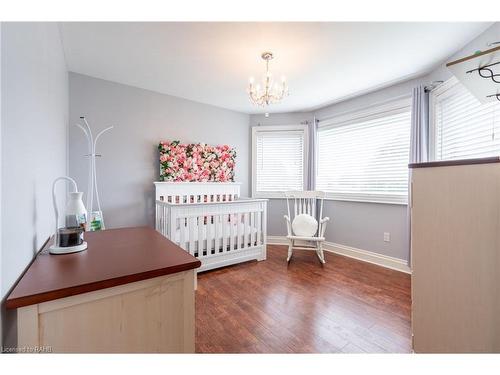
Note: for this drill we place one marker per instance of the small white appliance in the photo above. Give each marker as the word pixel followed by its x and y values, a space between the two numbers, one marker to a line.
pixel 69 239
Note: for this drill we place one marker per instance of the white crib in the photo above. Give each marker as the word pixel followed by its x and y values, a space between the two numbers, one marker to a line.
pixel 211 221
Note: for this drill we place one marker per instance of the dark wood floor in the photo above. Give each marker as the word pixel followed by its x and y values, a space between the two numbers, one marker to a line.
pixel 266 307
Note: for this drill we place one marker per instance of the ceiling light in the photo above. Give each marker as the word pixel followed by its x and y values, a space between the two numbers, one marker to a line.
pixel 270 92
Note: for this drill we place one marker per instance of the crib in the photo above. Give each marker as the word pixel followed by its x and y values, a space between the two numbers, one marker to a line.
pixel 211 222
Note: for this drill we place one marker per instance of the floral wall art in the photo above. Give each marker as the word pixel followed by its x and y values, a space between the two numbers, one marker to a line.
pixel 196 162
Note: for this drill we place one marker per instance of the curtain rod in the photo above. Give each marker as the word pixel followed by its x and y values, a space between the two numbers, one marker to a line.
pixel 376 104
pixel 432 85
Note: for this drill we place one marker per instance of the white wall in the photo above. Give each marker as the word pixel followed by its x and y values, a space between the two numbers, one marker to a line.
pixel 33 142
pixel 142 118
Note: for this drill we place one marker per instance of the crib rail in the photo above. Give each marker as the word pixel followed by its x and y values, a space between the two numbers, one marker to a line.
pixel 196 192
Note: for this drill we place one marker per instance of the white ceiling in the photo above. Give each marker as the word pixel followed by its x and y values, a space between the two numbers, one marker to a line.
pixel 211 62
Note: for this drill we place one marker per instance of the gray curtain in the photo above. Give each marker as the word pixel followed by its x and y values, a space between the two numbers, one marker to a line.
pixel 313 147
pixel 419 140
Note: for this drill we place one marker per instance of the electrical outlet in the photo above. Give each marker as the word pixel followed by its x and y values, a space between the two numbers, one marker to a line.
pixel 387 237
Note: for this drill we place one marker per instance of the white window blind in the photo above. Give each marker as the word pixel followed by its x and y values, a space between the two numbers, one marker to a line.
pixel 366 159
pixel 463 127
pixel 279 160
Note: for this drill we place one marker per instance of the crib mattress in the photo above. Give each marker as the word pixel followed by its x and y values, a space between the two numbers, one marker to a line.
pixel 212 231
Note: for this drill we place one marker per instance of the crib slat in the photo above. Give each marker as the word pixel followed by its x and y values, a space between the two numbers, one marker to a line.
pixel 163 221
pixel 169 226
pixel 224 224
pixel 249 229
pixel 216 233
pixel 156 216
pixel 246 224
pixel 243 230
pixel 200 236
pixel 252 226
pixel 231 232
pixel 159 223
pixel 259 226
pixel 182 233
pixel 209 235
pixel 191 222
pixel 238 230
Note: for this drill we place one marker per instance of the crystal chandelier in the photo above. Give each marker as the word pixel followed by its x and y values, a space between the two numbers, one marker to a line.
pixel 270 92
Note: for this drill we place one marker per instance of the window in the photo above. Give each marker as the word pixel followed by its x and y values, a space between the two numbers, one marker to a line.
pixel 364 156
pixel 279 159
pixel 462 127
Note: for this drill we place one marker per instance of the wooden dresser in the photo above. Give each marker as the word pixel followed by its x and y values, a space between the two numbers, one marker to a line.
pixel 455 245
pixel 131 291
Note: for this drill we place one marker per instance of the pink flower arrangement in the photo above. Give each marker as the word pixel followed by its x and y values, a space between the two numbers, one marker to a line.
pixel 196 162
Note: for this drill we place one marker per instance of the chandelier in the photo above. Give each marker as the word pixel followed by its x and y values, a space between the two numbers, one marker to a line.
pixel 270 92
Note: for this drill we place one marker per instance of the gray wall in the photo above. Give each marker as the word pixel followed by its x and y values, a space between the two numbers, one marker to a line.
pixel 34 142
pixel 142 118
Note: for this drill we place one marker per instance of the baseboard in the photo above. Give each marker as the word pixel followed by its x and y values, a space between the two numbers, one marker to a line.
pixel 352 252
pixel 276 240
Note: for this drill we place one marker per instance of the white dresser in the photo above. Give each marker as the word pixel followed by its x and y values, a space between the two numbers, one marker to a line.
pixel 456 256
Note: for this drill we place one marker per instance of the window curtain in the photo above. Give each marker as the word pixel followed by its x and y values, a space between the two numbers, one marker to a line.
pixel 419 137
pixel 419 141
pixel 313 148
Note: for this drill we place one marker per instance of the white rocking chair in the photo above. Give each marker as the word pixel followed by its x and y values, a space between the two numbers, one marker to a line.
pixel 306 202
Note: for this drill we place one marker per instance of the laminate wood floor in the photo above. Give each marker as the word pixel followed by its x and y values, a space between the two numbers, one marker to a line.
pixel 345 306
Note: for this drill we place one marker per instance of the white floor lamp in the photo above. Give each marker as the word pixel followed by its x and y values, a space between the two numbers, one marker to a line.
pixel 96 217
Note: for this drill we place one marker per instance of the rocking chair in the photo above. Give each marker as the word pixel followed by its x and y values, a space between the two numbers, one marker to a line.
pixel 306 202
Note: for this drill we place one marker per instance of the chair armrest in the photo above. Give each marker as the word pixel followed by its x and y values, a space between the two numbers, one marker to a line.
pixel 322 226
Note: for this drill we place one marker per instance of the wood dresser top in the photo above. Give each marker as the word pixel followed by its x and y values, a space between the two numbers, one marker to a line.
pixel 451 163
pixel 113 257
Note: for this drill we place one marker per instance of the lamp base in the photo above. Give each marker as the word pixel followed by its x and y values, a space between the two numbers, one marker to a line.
pixel 67 250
